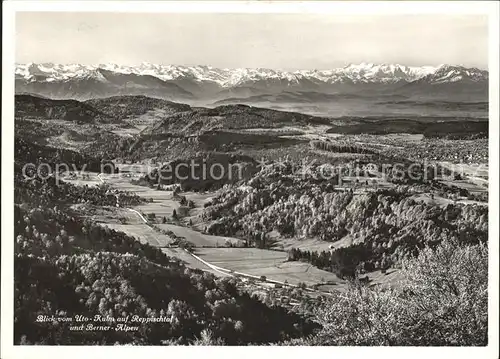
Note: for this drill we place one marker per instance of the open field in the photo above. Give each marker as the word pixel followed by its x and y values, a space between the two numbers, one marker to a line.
pixel 136 168
pixel 340 155
pixel 127 132
pixel 147 118
pixel 426 198
pixel 200 239
pixel 79 181
pixel 190 261
pixel 316 132
pixel 160 207
pixel 107 214
pixel 472 170
pixel 142 232
pixel 271 264
pixel 163 203
pixel 406 137
pixel 311 244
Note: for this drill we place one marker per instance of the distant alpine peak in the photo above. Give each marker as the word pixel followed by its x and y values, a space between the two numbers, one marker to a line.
pixel 352 73
pixel 447 74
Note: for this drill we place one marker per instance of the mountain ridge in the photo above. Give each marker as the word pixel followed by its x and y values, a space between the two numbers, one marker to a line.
pixel 189 84
pixel 383 73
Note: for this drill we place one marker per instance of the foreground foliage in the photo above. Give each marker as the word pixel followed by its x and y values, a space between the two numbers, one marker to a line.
pixel 442 300
pixel 65 267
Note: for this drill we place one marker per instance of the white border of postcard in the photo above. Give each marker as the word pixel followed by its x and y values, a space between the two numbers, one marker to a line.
pixel 9 351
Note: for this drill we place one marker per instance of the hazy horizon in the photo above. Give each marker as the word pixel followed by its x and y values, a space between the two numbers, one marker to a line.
pixel 276 41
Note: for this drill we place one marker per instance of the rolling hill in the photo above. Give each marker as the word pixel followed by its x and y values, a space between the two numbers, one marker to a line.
pixel 130 106
pixel 29 106
pixel 229 117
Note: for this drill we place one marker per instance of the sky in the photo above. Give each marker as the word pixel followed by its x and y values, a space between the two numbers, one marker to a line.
pixel 279 41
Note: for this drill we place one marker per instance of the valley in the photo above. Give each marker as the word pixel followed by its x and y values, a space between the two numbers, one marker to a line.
pixel 249 174
pixel 299 209
pixel 160 132
pixel 235 259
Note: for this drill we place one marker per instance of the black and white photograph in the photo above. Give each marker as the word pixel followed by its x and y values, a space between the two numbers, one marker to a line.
pixel 262 174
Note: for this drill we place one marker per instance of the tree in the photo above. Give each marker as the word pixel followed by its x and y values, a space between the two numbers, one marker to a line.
pixel 450 284
pixel 174 214
pixel 207 338
pixel 238 326
pixel 441 300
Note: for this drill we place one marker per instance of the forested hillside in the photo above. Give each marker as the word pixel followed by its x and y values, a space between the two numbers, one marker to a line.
pixel 246 226
pixel 133 106
pixel 65 266
pixel 29 106
pixel 28 153
pixel 379 228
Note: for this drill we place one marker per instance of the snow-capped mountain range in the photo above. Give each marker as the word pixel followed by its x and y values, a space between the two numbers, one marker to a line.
pixel 184 82
pixel 362 73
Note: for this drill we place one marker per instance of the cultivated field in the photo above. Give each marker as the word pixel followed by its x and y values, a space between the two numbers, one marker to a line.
pixel 312 244
pixel 163 203
pixel 405 137
pixel 135 168
pixel 142 232
pixel 271 264
pixel 78 179
pixel 127 132
pixel 189 261
pixel 107 214
pixel 471 170
pixel 161 208
pixel 200 239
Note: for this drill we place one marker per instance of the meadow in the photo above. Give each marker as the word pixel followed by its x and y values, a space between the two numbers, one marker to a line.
pixel 271 264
